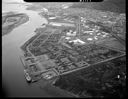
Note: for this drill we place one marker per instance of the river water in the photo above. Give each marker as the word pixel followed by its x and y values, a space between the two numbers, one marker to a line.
pixel 13 80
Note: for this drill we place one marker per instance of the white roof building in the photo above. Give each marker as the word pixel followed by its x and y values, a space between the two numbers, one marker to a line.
pixel 71 33
pixel 52 17
pixel 45 10
pixel 89 39
pixel 67 38
pixel 77 41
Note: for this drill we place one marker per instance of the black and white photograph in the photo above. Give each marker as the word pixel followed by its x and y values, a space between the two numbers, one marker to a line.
pixel 64 49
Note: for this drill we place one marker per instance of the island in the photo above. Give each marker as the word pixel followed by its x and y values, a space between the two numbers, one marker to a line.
pixel 81 50
pixel 11 20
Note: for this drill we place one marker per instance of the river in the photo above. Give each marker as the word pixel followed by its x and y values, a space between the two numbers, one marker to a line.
pixel 13 80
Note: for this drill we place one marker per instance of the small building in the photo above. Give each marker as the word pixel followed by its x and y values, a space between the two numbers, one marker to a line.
pixel 95 37
pixel 71 66
pixel 72 58
pixel 89 39
pixel 46 64
pixel 49 74
pixel 29 61
pixel 67 38
pixel 81 63
pixel 52 17
pixel 42 57
pixel 65 60
pixel 34 68
pixel 98 33
pixel 71 33
pixel 78 41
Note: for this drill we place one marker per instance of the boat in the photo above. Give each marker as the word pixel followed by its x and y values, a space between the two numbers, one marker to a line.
pixel 28 78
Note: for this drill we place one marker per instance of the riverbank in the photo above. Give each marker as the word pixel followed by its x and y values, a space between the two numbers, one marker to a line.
pixel 12 68
pixel 11 20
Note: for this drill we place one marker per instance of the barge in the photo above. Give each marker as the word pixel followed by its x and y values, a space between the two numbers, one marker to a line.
pixel 26 74
pixel 28 78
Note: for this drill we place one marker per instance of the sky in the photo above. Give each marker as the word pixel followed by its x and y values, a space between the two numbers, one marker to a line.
pixel 13 1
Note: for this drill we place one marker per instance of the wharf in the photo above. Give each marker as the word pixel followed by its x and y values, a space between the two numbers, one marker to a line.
pixel 22 58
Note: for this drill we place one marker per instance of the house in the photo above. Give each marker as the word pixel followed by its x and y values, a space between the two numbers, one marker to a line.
pixel 81 63
pixel 71 66
pixel 65 60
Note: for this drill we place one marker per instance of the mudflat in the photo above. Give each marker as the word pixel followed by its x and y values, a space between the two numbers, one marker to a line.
pixel 11 20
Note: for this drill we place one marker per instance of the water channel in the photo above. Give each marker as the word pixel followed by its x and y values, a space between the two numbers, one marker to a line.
pixel 13 80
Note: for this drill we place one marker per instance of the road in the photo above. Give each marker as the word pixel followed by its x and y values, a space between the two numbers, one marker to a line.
pixel 92 64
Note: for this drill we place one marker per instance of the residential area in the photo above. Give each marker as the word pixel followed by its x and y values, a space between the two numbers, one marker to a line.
pixel 60 49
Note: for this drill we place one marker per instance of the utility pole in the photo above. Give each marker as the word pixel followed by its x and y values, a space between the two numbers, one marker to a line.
pixel 78 26
pixel 79 22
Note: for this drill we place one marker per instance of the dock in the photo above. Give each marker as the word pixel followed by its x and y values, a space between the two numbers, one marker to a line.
pixel 26 74
pixel 23 61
